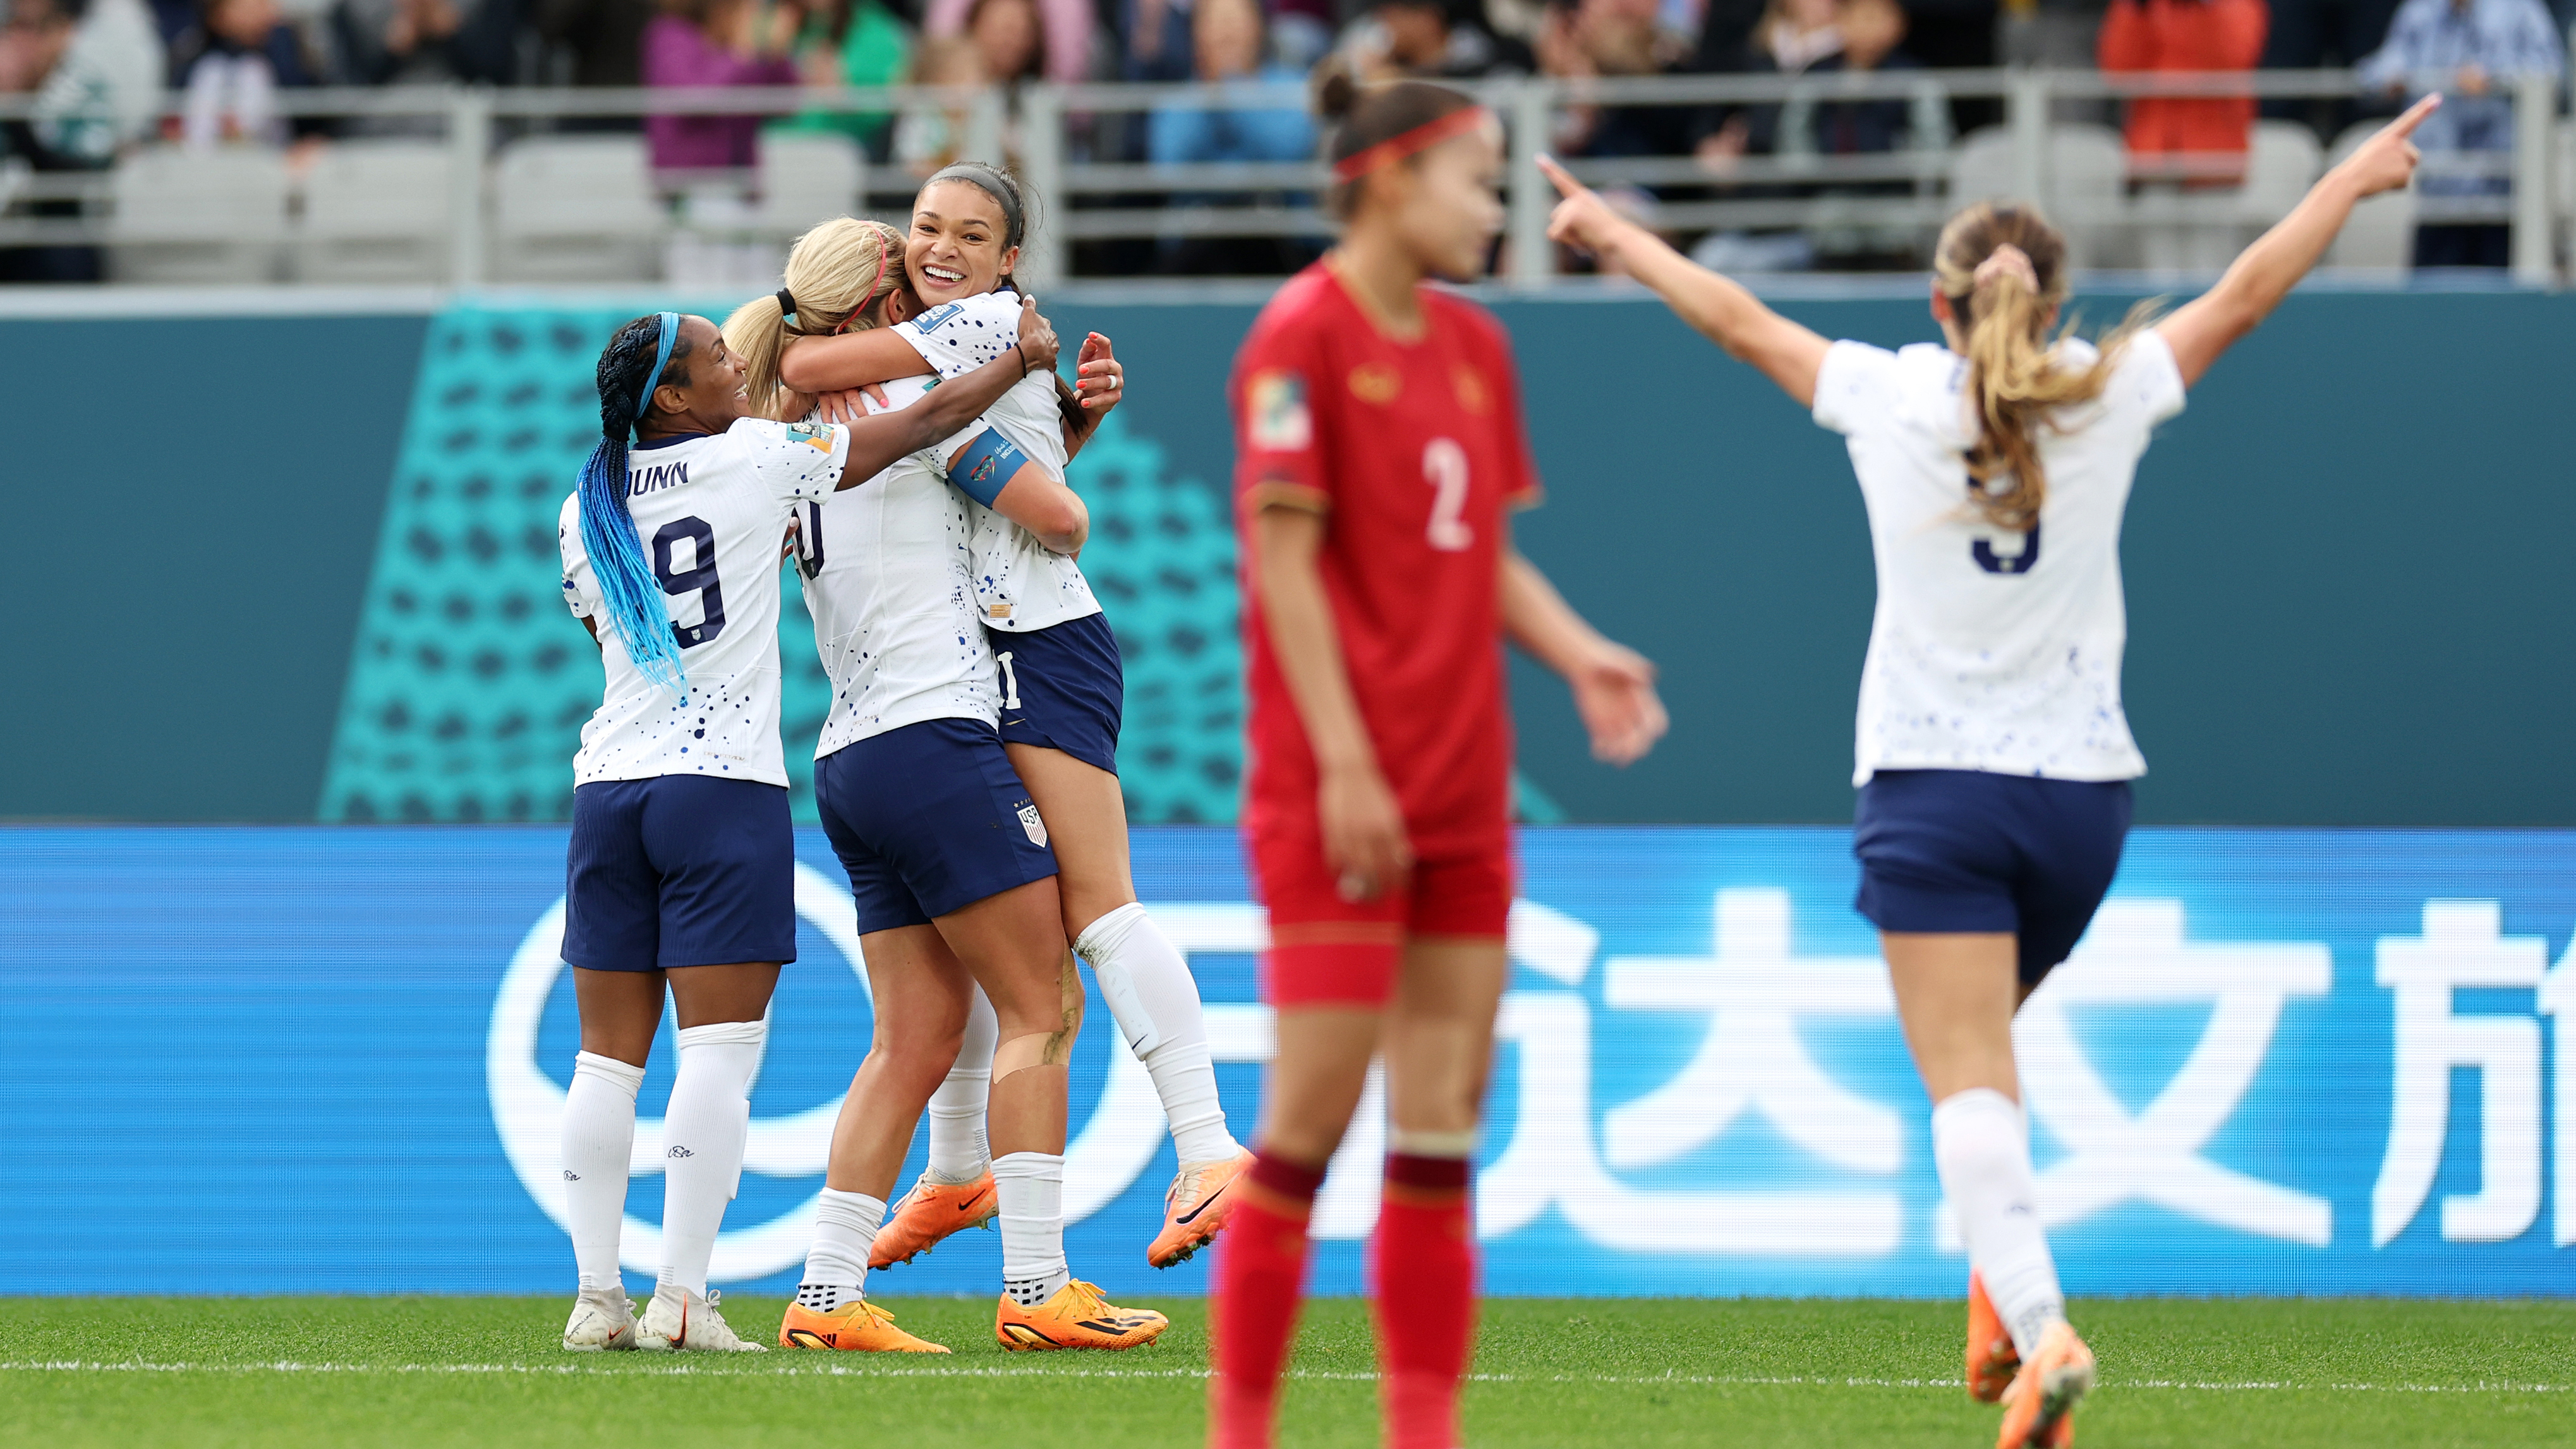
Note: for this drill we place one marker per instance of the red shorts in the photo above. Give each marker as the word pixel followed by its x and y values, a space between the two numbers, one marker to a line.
pixel 1328 951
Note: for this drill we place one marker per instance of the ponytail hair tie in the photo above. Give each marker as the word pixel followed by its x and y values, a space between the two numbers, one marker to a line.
pixel 786 303
pixel 2005 261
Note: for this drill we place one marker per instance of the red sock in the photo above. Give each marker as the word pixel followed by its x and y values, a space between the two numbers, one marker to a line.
pixel 1425 1273
pixel 1260 1276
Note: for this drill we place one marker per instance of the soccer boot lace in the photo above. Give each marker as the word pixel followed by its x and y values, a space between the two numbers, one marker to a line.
pixel 602 1319
pixel 929 1213
pixel 857 1326
pixel 2039 1408
pixel 1076 1317
pixel 683 1322
pixel 1992 1359
pixel 1197 1205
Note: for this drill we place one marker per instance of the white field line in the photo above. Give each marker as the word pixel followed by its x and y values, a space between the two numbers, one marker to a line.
pixel 962 1371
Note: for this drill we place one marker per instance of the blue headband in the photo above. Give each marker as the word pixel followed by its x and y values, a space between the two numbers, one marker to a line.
pixel 653 379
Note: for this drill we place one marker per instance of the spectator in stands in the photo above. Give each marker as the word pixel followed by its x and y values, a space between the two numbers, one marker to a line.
pixel 2474 51
pixel 424 42
pixel 2192 139
pixel 232 63
pixel 1582 39
pixel 605 37
pixel 92 68
pixel 1228 43
pixel 852 43
pixel 1010 39
pixel 714 43
pixel 929 137
pixel 1059 31
pixel 1431 40
pixel 1159 39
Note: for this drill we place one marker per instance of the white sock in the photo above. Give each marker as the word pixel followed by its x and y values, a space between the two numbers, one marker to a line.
pixel 836 1267
pixel 598 1139
pixel 1030 1189
pixel 1147 983
pixel 703 1134
pixel 1981 1144
pixel 959 1151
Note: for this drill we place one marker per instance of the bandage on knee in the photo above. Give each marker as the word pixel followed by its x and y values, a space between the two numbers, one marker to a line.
pixel 1037 1049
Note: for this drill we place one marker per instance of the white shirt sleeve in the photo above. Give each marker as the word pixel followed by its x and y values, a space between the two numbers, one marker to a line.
pixel 2148 382
pixel 797 462
pixel 579 594
pixel 1856 386
pixel 955 338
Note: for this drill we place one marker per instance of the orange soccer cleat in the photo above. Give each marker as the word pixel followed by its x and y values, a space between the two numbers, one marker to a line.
pixel 1992 1359
pixel 929 1213
pixel 2039 1408
pixel 1196 1207
pixel 1076 1317
pixel 857 1326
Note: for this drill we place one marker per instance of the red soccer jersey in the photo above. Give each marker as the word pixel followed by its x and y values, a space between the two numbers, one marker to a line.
pixel 1412 450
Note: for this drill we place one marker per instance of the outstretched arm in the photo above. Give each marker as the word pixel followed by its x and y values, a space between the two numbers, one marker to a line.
pixel 1614 685
pixel 2203 330
pixel 852 359
pixel 878 440
pixel 1730 316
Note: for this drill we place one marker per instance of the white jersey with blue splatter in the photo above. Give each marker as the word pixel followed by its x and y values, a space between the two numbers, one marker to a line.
pixel 885 573
pixel 710 511
pixel 1020 584
pixel 1993 650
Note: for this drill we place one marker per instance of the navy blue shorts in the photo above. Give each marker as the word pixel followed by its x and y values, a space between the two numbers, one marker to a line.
pixel 927 819
pixel 1063 688
pixel 679 870
pixel 1968 851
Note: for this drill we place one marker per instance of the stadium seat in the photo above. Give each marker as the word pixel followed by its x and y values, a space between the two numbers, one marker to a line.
pixel 806 177
pixel 2380 237
pixel 2282 162
pixel 2085 171
pixel 376 211
pixel 198 216
pixel 575 209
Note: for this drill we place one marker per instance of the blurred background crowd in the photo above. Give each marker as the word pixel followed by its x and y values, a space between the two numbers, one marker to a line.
pixel 94 74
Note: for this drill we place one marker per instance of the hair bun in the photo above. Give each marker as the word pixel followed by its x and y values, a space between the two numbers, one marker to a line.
pixel 1336 90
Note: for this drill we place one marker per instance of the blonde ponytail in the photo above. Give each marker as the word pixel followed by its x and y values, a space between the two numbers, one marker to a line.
pixel 2017 376
pixel 835 272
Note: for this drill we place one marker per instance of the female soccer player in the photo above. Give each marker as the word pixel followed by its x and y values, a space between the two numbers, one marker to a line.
pixel 1379 452
pixel 1993 757
pixel 947 854
pixel 1062 695
pixel 681 869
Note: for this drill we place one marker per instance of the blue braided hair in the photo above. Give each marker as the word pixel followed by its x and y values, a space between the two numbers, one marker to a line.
pixel 626 582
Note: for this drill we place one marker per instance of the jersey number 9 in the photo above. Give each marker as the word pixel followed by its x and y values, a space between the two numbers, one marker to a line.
pixel 700 580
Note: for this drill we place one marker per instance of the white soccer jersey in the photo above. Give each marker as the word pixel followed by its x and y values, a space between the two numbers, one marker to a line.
pixel 710 511
pixel 885 573
pixel 1993 650
pixel 1020 583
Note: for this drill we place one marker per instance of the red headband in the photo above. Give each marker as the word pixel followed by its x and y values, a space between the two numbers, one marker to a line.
pixel 886 238
pixel 1421 138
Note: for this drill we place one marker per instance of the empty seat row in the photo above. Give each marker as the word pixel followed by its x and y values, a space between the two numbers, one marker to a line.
pixel 561 209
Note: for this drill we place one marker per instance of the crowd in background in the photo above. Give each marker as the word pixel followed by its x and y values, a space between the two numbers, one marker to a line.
pixel 97 68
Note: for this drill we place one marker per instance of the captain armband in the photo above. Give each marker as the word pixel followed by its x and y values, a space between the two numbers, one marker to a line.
pixel 986 465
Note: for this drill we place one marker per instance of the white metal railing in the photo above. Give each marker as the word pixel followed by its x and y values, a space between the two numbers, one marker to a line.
pixel 1053 133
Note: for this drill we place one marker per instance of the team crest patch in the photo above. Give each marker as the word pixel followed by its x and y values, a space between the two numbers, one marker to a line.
pixel 1471 391
pixel 1280 422
pixel 813 435
pixel 1375 382
pixel 1035 827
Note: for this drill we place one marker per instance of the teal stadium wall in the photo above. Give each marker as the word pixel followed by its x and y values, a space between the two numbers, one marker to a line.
pixel 285 569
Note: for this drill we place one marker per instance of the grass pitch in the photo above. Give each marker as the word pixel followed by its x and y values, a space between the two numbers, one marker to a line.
pixel 1559 1373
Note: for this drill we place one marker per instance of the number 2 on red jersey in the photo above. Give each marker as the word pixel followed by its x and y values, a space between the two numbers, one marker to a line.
pixel 1444 467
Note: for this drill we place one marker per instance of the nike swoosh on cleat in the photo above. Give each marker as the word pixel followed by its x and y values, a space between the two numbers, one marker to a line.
pixel 1204 1204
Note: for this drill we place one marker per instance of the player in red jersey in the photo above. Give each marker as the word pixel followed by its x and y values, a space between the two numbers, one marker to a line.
pixel 1380 450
